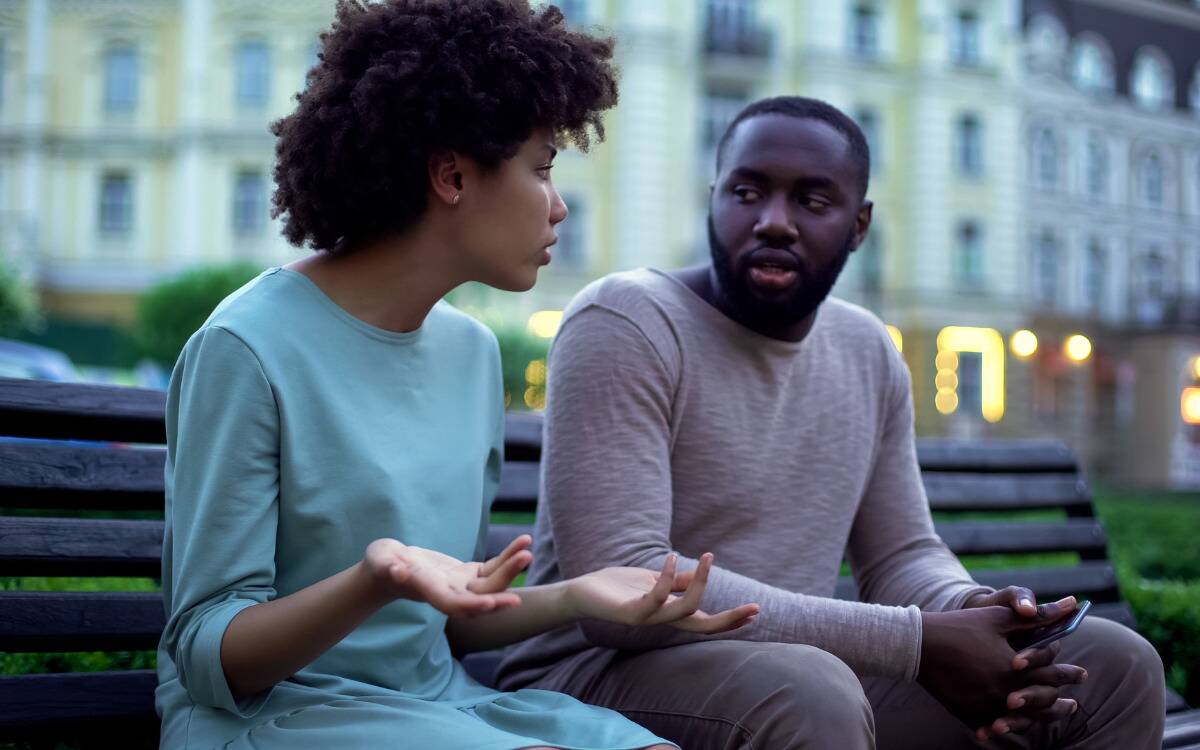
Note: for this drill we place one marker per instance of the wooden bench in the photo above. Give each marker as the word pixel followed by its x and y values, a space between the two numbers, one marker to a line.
pixel 122 471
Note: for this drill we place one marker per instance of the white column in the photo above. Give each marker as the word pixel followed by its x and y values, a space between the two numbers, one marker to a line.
pixel 36 110
pixel 197 20
pixel 647 185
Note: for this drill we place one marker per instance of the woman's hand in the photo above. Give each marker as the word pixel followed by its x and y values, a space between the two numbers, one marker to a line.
pixel 636 596
pixel 400 571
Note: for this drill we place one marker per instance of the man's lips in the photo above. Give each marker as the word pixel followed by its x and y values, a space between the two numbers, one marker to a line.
pixel 772 269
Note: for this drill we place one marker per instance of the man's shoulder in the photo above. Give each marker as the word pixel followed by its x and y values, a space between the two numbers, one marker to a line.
pixel 644 297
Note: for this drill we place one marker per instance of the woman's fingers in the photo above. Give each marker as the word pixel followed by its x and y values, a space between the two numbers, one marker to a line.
pixel 722 622
pixel 502 575
pixel 653 600
pixel 678 607
pixel 520 543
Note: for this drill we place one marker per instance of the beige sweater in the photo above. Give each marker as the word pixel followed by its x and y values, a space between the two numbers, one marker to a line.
pixel 671 427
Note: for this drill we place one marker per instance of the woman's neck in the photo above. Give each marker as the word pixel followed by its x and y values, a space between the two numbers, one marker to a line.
pixel 391 285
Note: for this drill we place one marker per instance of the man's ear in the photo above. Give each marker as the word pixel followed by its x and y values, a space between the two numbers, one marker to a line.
pixel 862 223
pixel 445 177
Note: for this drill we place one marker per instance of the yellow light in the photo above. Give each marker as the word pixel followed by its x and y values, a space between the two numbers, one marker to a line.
pixel 990 345
pixel 535 372
pixel 897 337
pixel 946 361
pixel 946 380
pixel 1189 405
pixel 1024 344
pixel 946 401
pixel 1195 367
pixel 545 323
pixel 1078 347
pixel 535 397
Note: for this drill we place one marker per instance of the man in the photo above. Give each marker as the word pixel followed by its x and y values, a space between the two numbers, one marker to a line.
pixel 734 408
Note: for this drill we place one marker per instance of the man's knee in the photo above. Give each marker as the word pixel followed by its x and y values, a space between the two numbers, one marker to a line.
pixel 790 693
pixel 1122 661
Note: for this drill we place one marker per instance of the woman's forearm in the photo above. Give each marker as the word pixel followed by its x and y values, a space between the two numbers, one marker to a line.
pixel 269 642
pixel 542 608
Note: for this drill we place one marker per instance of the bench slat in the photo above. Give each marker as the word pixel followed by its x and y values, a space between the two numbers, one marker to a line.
pixel 80 547
pixel 80 621
pixel 1182 730
pixel 975 492
pixel 63 704
pixel 75 411
pixel 990 455
pixel 59 475
pixel 1085 536
pixel 518 490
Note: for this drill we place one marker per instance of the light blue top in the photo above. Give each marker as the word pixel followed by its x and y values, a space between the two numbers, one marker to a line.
pixel 296 435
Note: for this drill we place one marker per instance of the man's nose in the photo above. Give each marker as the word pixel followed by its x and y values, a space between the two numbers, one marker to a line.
pixel 775 223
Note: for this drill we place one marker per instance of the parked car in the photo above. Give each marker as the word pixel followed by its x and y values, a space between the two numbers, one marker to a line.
pixel 19 359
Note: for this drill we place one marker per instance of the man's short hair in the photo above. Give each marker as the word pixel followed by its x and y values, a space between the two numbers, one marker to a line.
pixel 804 108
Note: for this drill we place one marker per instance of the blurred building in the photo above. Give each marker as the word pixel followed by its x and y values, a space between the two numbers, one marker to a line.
pixel 1036 169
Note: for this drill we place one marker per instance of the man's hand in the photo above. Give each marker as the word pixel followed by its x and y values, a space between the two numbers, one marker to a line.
pixel 637 596
pixel 401 571
pixel 968 665
pixel 1040 662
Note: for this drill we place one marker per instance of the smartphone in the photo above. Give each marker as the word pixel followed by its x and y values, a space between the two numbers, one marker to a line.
pixel 1047 634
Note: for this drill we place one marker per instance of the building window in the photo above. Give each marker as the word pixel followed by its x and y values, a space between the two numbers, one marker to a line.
pixel 1097 166
pixel 116 203
pixel 1045 155
pixel 570 252
pixel 966 39
pixel 868 121
pixel 249 202
pixel 252 70
pixel 970 383
pixel 731 27
pixel 968 266
pixel 719 111
pixel 1193 91
pixel 1154 276
pixel 1096 276
pixel 574 11
pixel 1151 80
pixel 1151 176
pixel 864 31
pixel 970 146
pixel 3 68
pixel 1091 67
pixel 1047 269
pixel 120 79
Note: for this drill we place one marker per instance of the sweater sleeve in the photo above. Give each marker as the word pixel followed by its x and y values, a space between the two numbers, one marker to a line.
pixel 894 551
pixel 222 488
pixel 607 490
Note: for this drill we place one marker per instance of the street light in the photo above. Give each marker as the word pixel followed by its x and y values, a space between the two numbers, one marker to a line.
pixel 1024 343
pixel 1078 348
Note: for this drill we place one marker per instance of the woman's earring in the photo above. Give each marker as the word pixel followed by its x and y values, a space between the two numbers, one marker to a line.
pixel 454 201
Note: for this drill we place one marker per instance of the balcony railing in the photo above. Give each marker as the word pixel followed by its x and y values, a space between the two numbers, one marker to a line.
pixel 732 28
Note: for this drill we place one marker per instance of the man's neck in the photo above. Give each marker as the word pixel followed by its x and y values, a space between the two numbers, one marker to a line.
pixel 704 282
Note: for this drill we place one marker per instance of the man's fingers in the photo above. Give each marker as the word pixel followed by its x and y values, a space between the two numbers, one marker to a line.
pixel 503 575
pixel 1032 698
pixel 1056 675
pixel 1062 708
pixel 1022 601
pixel 1036 657
pixel 520 543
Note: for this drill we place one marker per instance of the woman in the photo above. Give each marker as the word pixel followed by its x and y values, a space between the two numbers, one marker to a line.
pixel 335 432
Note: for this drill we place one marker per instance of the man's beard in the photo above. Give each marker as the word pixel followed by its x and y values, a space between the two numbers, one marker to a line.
pixel 811 288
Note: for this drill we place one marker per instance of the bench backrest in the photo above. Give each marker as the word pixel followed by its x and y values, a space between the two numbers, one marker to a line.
pixel 113 464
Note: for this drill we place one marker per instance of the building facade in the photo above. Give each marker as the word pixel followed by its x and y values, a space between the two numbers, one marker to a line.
pixel 1036 169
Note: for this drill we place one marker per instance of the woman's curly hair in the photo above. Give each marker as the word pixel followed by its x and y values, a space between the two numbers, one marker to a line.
pixel 400 80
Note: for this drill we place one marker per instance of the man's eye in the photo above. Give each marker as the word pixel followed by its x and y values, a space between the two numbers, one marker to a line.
pixel 746 194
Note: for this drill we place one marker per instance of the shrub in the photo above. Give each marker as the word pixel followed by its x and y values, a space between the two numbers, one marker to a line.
pixel 18 303
pixel 1168 615
pixel 171 311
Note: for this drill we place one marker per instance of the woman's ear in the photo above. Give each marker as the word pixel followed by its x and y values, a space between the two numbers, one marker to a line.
pixel 445 177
